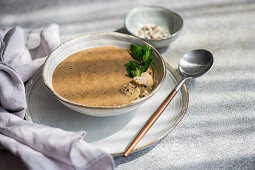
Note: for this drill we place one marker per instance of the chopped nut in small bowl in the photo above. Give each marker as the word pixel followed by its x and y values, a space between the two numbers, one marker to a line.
pixel 156 25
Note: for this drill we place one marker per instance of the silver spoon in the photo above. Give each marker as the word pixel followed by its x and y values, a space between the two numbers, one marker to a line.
pixel 193 64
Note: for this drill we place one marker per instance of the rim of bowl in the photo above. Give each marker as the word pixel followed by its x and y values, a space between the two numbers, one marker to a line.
pixel 134 102
pixel 155 6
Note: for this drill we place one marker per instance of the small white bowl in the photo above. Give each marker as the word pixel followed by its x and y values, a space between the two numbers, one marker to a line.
pixel 96 40
pixel 169 20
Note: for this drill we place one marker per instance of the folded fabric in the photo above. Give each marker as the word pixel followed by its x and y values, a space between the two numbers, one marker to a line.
pixel 40 147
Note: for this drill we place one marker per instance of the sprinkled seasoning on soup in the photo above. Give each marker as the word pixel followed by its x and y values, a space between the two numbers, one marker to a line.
pixel 97 77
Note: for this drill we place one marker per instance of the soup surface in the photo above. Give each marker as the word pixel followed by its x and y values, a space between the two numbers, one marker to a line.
pixel 94 76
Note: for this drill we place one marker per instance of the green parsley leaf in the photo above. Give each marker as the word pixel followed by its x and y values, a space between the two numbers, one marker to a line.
pixel 136 51
pixel 132 65
pixel 146 66
pixel 147 55
pixel 142 55
pixel 129 72
pixel 147 48
pixel 135 72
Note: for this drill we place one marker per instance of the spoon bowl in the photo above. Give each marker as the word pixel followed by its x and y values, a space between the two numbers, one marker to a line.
pixel 195 63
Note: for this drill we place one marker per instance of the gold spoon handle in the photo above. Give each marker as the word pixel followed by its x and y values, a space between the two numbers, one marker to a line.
pixel 151 121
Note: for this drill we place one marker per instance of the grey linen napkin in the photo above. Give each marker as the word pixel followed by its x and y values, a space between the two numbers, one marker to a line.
pixel 39 147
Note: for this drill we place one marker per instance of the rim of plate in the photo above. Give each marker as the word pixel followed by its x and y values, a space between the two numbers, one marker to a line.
pixel 107 107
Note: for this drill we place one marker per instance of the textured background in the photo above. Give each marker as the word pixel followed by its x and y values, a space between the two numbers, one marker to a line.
pixel 218 131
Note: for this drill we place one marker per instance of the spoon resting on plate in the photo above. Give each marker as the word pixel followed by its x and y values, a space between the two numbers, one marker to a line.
pixel 193 64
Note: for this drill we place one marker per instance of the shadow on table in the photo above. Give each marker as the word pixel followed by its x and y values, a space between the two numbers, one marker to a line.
pixel 239 163
pixel 122 30
pixel 132 156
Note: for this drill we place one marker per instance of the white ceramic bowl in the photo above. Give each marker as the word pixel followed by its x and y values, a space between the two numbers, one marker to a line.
pixel 96 40
pixel 169 20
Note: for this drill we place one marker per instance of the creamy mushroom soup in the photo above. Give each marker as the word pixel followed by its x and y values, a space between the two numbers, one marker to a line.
pixel 97 77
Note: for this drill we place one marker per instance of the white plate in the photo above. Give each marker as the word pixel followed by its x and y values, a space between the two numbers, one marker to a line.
pixel 112 134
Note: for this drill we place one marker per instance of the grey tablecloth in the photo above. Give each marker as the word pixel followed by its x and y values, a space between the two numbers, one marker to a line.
pixel 218 131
